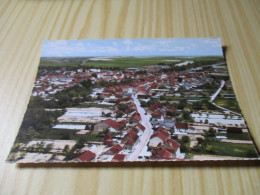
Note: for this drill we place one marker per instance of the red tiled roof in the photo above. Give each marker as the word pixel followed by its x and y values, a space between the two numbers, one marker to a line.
pixel 173 144
pixel 156 114
pixel 181 125
pixel 136 116
pixel 130 142
pixel 159 135
pixel 142 89
pixel 118 158
pixel 134 129
pixel 124 122
pixel 108 136
pixel 113 124
pixel 164 153
pixel 172 108
pixel 155 106
pixel 164 132
pixel 191 128
pixel 115 149
pixel 160 128
pixel 141 126
pixel 132 135
pixel 161 153
pixel 86 156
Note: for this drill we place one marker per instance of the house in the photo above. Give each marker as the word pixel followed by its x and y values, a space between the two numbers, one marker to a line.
pixel 162 130
pixel 119 158
pixel 140 128
pixel 130 135
pixel 129 139
pixel 87 156
pixel 156 139
pixel 172 146
pixel 114 150
pixel 157 115
pixel 234 130
pixel 135 118
pixel 123 122
pixel 107 140
pixel 129 144
pixel 114 125
pixel 180 127
pixel 161 153
pixel 183 128
pixel 155 106
pixel 172 108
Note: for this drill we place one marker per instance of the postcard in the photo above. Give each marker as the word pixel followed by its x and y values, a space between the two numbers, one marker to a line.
pixel 118 100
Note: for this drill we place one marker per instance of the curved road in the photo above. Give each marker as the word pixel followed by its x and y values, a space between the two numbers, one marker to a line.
pixel 215 95
pixel 217 92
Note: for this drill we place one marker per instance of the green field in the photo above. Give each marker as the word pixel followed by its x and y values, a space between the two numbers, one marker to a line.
pixel 232 149
pixel 121 62
pixel 65 134
pixel 130 62
pixel 239 136
pixel 227 91
pixel 228 103
pixel 86 105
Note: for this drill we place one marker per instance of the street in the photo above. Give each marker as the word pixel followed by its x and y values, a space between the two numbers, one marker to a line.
pixel 142 141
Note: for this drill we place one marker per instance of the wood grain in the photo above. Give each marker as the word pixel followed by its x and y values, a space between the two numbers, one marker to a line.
pixel 24 24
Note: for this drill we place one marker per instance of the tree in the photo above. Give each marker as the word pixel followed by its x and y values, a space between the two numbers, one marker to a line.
pixel 119 115
pixel 48 148
pixel 86 83
pixel 94 75
pixel 184 148
pixel 211 133
pixel 185 139
pixel 197 149
pixel 200 140
pixel 65 149
pixel 80 144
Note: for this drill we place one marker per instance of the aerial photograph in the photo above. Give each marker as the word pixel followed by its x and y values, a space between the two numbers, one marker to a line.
pixel 116 100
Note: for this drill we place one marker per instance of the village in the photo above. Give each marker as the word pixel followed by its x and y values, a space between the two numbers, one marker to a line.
pixel 151 113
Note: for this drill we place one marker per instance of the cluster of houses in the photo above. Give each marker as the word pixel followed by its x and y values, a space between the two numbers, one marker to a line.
pixel 124 128
pixel 47 84
pixel 161 146
pixel 123 134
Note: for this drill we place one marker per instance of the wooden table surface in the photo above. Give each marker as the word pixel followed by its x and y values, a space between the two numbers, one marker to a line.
pixel 24 24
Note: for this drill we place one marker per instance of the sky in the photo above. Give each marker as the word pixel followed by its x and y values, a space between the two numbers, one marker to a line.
pixel 133 47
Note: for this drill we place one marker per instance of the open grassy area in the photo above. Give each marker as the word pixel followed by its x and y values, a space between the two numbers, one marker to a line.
pixel 130 62
pixel 120 62
pixel 236 136
pixel 239 136
pixel 232 149
pixel 88 105
pixel 228 103
pixel 227 91
pixel 65 134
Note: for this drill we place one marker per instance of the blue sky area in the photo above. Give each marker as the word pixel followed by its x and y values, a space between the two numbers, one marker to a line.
pixel 133 47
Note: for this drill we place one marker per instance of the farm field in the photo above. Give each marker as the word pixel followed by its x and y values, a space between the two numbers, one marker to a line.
pixel 116 62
